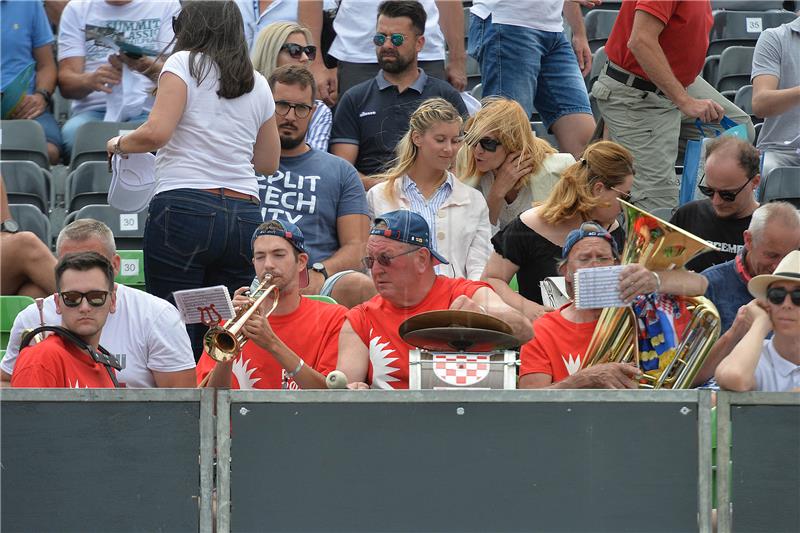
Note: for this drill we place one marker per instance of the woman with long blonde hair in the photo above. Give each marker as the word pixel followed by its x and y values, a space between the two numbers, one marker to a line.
pixel 504 159
pixel 420 181
pixel 288 43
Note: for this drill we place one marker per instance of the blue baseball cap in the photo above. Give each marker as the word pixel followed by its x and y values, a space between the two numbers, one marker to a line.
pixel 588 229
pixel 408 227
pixel 281 228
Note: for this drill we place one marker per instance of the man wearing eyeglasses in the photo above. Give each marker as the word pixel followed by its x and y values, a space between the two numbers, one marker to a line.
pixel 731 177
pixel 85 297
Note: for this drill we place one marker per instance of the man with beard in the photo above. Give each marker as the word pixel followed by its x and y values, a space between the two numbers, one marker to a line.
pixel 297 344
pixel 318 192
pixel 731 176
pixel 372 116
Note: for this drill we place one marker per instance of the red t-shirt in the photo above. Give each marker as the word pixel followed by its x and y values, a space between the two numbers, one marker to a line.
pixel 376 322
pixel 58 363
pixel 557 347
pixel 311 331
pixel 684 38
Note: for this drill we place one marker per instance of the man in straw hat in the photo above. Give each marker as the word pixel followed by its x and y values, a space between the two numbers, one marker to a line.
pixel 768 365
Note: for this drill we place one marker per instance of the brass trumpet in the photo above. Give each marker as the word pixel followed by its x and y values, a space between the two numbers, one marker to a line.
pixel 223 343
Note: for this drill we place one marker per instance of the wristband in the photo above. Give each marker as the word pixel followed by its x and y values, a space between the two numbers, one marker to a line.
pixel 658 280
pixel 297 369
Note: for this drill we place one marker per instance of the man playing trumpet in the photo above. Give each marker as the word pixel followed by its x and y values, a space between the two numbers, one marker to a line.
pixel 296 345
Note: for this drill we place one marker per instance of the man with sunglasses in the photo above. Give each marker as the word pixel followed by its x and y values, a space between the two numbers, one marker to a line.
pixel 401 262
pixel 372 116
pixel 759 363
pixel 85 297
pixel 731 177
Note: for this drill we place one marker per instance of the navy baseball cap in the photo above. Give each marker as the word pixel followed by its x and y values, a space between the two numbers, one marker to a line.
pixel 588 229
pixel 408 227
pixel 281 228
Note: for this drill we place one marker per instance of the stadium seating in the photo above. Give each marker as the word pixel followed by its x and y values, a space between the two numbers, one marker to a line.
pixel 599 59
pixel 735 65
pixel 30 218
pixel 744 100
pixel 23 140
pixel 747 5
pixel 711 69
pixel 88 184
pixel 26 183
pixel 742 28
pixel 477 91
pixel 782 183
pixel 131 270
pixel 598 24
pixel 128 228
pixel 91 139
pixel 10 306
pixel 320 298
pixel 541 131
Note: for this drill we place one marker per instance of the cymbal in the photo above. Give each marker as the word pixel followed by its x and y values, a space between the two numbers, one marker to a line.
pixel 460 339
pixel 448 317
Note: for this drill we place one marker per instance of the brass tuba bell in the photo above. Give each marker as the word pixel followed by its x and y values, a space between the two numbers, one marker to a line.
pixel 657 245
pixel 225 342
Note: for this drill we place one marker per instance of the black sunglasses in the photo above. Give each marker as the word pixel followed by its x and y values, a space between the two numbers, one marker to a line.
pixel 383 259
pixel 624 196
pixel 777 295
pixel 93 298
pixel 397 39
pixel 728 196
pixel 300 110
pixel 490 145
pixel 296 51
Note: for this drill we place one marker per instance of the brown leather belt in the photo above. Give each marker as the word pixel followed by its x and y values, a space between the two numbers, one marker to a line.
pixel 229 193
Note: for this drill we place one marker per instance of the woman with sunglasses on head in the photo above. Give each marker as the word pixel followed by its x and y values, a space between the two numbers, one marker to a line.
pixel 504 159
pixel 213 125
pixel 287 43
pixel 420 181
pixel 759 363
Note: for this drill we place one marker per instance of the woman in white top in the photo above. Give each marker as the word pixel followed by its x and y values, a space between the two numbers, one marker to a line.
pixel 213 125
pixel 287 43
pixel 504 159
pixel 419 181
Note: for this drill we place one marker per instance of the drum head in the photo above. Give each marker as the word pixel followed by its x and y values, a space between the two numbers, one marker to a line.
pixel 460 339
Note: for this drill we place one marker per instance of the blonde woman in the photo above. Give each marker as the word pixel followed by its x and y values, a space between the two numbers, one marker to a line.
pixel 287 43
pixel 503 158
pixel 420 181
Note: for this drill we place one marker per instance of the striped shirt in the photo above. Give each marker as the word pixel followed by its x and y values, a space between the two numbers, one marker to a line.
pixel 428 209
pixel 319 129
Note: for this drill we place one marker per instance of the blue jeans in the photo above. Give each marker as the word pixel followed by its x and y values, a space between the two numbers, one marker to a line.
pixel 70 127
pixel 196 239
pixel 536 68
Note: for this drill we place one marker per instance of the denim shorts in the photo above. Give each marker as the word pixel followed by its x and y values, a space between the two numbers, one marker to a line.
pixel 536 68
pixel 51 130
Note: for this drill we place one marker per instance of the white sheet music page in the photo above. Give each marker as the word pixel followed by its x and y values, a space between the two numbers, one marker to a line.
pixel 598 287
pixel 207 305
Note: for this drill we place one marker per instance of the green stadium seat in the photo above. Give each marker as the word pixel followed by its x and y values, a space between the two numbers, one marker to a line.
pixel 10 306
pixel 321 298
pixel 131 270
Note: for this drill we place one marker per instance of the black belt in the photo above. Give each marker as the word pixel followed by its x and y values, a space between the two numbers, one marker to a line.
pixel 631 80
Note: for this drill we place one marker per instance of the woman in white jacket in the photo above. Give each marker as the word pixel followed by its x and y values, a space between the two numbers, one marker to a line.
pixel 419 181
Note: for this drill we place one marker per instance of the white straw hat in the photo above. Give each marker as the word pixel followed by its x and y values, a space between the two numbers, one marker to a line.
pixel 787 270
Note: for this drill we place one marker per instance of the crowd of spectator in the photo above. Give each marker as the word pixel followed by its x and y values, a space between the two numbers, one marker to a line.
pixel 350 167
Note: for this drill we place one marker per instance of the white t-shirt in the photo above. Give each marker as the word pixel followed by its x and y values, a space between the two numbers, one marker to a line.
pixel 774 373
pixel 542 15
pixel 145 333
pixel 355 24
pixel 144 23
pixel 213 143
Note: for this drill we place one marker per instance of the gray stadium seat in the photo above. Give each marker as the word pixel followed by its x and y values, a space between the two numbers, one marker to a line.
pixel 747 5
pixel 711 69
pixel 782 184
pixel 744 99
pixel 599 59
pixel 742 28
pixel 541 131
pixel 31 219
pixel 26 183
pixel 598 24
pixel 91 139
pixel 88 184
pixel 23 140
pixel 735 65
pixel 477 91
pixel 128 228
pixel 757 127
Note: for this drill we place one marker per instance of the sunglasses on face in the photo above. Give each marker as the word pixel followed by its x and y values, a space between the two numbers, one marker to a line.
pixel 397 39
pixel 488 144
pixel 383 259
pixel 624 196
pixel 728 196
pixel 300 110
pixel 296 51
pixel 93 298
pixel 777 296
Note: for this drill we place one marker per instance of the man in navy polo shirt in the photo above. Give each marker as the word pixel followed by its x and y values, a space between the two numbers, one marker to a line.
pixel 372 116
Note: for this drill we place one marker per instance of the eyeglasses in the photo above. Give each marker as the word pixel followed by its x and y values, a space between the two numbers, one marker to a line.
pixel 296 51
pixel 488 144
pixel 176 25
pixel 777 295
pixel 383 259
pixel 397 39
pixel 624 196
pixel 74 298
pixel 300 110
pixel 728 196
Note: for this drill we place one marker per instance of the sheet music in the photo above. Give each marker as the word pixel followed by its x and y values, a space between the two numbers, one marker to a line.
pixel 554 292
pixel 205 305
pixel 598 287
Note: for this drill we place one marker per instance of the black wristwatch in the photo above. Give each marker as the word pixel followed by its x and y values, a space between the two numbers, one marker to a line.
pixel 9 226
pixel 319 267
pixel 48 97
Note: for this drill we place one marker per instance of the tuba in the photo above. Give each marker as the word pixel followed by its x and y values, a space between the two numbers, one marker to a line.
pixel 657 245
pixel 223 343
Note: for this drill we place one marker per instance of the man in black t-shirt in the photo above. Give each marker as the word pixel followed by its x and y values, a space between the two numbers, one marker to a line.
pixel 731 176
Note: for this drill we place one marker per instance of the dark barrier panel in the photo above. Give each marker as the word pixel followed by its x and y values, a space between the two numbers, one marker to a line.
pixel 462 461
pixel 109 464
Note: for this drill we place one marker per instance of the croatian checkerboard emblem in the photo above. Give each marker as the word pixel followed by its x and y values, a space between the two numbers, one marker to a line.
pixel 461 370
